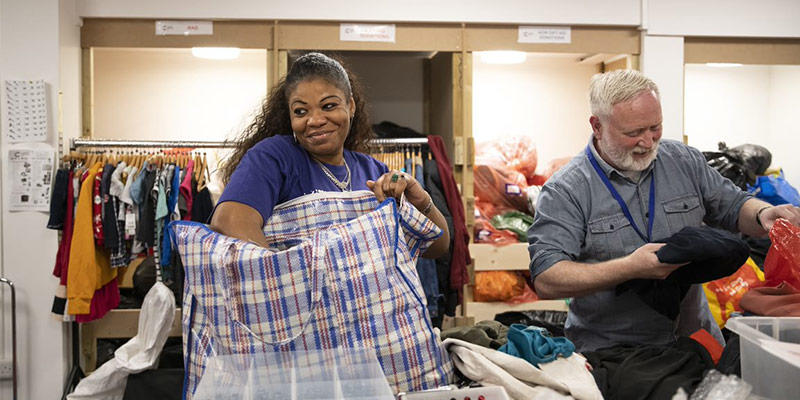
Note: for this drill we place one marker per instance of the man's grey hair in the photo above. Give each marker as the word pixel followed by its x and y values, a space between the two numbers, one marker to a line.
pixel 614 87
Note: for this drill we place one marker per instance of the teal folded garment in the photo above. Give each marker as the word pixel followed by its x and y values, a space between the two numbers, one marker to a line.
pixel 535 345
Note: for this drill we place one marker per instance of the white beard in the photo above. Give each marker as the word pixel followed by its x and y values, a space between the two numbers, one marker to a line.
pixel 624 160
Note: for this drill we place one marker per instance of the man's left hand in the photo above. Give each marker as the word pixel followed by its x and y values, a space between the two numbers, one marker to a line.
pixel 771 214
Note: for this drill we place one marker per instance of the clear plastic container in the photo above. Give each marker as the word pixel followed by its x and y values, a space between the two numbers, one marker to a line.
pixel 770 354
pixel 326 374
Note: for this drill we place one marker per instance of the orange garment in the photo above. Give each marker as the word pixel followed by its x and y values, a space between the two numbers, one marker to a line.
pixel 89 266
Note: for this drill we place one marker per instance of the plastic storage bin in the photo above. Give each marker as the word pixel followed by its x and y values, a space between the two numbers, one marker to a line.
pixel 326 374
pixel 770 354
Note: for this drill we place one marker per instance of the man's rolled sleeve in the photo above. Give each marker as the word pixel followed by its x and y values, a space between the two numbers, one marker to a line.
pixel 557 232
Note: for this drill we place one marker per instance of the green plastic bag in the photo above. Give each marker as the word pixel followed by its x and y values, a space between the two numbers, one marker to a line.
pixel 515 221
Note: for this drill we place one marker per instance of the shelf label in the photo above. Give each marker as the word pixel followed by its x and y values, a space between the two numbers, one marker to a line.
pixel 184 28
pixel 544 34
pixel 367 32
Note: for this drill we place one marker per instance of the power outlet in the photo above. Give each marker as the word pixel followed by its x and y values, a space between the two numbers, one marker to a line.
pixel 6 369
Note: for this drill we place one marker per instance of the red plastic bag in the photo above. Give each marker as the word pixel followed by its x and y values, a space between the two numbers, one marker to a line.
pixel 485 232
pixel 499 190
pixel 783 258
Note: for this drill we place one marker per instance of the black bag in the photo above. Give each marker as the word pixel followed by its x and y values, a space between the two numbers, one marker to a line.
pixel 741 164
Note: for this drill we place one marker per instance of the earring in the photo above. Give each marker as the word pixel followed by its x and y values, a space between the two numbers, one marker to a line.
pixel 294 135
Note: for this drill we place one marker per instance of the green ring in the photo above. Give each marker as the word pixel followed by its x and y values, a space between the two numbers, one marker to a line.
pixel 394 178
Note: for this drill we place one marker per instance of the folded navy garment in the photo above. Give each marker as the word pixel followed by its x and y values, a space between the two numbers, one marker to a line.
pixel 711 254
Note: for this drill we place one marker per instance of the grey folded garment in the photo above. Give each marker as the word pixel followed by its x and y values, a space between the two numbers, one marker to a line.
pixel 489 334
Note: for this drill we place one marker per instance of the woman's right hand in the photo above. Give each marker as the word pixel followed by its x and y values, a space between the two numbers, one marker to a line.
pixel 395 183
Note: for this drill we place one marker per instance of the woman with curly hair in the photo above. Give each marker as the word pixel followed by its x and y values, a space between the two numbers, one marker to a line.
pixel 310 136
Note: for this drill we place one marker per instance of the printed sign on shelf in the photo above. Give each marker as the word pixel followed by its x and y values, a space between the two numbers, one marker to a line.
pixel 184 28
pixel 367 32
pixel 544 34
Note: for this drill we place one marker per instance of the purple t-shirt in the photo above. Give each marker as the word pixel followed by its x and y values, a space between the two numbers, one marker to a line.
pixel 277 170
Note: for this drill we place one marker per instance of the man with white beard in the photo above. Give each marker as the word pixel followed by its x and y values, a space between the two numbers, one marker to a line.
pixel 596 219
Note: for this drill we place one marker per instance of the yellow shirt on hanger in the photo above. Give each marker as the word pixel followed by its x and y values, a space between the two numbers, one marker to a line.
pixel 89 265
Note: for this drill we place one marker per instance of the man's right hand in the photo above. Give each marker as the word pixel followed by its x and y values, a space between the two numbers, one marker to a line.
pixel 572 279
pixel 644 263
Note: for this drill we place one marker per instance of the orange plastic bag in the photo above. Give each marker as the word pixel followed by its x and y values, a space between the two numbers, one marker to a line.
pixel 724 294
pixel 513 153
pixel 783 258
pixel 498 285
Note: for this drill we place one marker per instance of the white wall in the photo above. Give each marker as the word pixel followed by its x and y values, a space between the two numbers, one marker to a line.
pixel 784 132
pixel 748 104
pixel 393 84
pixel 29 49
pixel 743 18
pixel 586 12
pixel 168 94
pixel 662 61
pixel 546 98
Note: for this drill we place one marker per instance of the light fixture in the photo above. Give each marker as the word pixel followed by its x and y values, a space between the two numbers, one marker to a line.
pixel 503 57
pixel 216 53
pixel 723 65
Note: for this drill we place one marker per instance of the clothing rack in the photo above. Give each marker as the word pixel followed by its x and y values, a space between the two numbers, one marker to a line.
pixel 79 142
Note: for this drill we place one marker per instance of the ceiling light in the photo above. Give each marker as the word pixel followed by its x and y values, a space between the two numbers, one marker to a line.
pixel 216 53
pixel 503 57
pixel 723 65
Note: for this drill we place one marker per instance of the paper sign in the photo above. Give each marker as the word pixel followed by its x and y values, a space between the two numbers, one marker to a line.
pixel 366 32
pixel 27 111
pixel 30 173
pixel 184 28
pixel 544 34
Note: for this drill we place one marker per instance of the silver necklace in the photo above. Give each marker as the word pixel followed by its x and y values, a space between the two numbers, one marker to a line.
pixel 342 185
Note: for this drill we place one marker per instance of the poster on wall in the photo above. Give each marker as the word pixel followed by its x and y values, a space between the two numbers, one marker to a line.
pixel 27 111
pixel 30 176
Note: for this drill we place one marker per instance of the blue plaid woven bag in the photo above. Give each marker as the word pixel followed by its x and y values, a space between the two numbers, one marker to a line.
pixel 339 272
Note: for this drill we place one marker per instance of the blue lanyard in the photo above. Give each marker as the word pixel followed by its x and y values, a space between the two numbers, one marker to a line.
pixel 651 206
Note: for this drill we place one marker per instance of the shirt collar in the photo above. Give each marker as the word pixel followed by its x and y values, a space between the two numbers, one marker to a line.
pixel 608 169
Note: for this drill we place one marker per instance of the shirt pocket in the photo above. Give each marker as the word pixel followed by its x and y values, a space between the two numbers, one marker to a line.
pixel 682 211
pixel 607 237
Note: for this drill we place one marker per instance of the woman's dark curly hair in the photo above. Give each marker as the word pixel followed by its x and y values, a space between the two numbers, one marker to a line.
pixel 273 119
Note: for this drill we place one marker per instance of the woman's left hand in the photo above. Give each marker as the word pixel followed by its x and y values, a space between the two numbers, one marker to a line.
pixel 396 183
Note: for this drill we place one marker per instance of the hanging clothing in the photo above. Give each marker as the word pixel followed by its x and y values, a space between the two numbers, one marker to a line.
pixel 433 184
pixel 89 267
pixel 460 249
pixel 58 200
pixel 104 300
pixel 187 192
pixel 339 272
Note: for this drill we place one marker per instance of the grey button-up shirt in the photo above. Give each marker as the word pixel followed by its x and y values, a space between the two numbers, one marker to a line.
pixel 578 219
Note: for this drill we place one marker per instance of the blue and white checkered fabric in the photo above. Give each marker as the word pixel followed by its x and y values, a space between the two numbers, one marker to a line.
pixel 339 273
